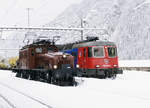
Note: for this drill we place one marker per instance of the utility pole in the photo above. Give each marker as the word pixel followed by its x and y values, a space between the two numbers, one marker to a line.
pixel 28 33
pixel 1 34
pixel 28 10
pixel 81 20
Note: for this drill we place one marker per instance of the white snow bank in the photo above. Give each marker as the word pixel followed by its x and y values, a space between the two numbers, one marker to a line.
pixel 134 63
pixel 147 1
pixel 129 90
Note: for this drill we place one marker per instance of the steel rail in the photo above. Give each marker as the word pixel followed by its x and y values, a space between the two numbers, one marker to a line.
pixel 7 101
pixel 34 99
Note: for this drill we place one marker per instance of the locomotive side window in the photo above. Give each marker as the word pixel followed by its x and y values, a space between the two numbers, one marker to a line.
pixel 21 55
pixel 50 49
pixel 98 51
pixel 111 51
pixel 32 52
pixel 89 52
pixel 84 52
pixel 38 50
pixel 26 54
pixel 79 54
pixel 74 54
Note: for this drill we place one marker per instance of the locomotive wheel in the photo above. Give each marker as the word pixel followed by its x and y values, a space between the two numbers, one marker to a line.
pixel 26 75
pixel 23 74
pixel 18 74
pixel 102 76
pixel 114 76
pixel 72 82
pixel 30 72
pixel 31 76
pixel 37 76
pixel 106 74
pixel 48 78
pixel 53 80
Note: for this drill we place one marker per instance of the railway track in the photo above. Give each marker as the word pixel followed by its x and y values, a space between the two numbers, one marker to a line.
pixel 123 68
pixel 23 94
pixel 7 101
pixel 146 69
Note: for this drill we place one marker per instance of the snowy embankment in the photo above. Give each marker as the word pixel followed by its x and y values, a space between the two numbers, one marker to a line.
pixel 129 90
pixel 134 63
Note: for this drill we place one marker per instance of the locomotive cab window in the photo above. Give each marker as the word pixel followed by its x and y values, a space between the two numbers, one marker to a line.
pixel 111 51
pixel 38 50
pixel 89 51
pixel 98 51
pixel 32 52
pixel 50 49
pixel 84 52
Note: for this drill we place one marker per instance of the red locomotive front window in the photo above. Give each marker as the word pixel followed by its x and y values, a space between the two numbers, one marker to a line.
pixel 98 51
pixel 112 52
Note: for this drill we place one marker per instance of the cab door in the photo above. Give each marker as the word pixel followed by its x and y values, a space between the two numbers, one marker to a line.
pixel 84 58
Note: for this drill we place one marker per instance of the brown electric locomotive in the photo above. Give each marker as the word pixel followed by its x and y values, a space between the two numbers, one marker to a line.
pixel 42 61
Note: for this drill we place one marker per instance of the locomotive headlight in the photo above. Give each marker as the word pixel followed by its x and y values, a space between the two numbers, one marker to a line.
pixel 77 66
pixel 97 66
pixel 64 56
pixel 115 65
pixel 55 66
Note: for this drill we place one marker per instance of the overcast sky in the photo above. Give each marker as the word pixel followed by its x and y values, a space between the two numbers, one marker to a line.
pixel 14 12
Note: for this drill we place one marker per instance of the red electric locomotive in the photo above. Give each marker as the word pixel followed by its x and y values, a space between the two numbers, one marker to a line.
pixel 96 58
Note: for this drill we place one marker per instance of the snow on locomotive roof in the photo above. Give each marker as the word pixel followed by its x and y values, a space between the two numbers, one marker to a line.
pixel 39 43
pixel 94 43
pixel 56 54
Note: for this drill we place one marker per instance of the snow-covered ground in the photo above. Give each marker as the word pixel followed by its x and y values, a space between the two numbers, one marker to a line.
pixel 134 63
pixel 129 90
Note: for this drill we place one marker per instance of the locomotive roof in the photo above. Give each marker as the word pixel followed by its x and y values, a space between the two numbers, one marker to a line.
pixel 64 47
pixel 39 43
pixel 94 43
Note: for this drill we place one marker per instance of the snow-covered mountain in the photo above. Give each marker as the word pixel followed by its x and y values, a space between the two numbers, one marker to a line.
pixel 132 34
pixel 127 23
pixel 102 14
